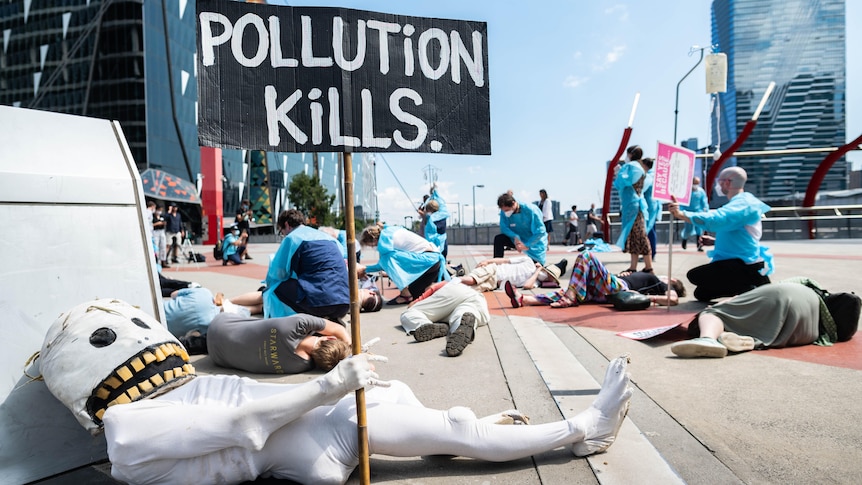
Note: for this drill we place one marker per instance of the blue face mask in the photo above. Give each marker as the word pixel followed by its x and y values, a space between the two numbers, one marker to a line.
pixel 236 233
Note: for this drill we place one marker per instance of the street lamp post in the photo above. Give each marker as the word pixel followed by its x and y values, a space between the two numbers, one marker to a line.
pixel 676 107
pixel 474 202
pixel 458 211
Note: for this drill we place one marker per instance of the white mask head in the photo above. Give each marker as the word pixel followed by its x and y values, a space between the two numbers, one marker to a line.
pixel 107 352
pixel 717 190
pixel 508 213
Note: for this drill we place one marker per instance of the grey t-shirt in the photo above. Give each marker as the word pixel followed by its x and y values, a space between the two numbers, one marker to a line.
pixel 262 346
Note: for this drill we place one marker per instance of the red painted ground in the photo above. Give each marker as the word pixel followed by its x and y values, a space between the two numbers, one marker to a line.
pixel 847 354
pixel 604 317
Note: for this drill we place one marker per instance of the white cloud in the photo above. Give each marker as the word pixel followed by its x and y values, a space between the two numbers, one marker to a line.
pixel 615 54
pixel 574 81
pixel 619 10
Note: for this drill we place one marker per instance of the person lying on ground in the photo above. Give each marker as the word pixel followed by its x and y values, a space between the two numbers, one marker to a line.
pixel 286 345
pixel 169 285
pixel 164 424
pixel 194 308
pixel 591 281
pixel 521 271
pixel 447 309
pixel 776 315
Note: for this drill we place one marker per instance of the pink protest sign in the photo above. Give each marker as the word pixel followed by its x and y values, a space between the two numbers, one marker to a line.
pixel 674 169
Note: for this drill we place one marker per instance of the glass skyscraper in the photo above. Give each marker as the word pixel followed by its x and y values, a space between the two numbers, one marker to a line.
pixel 799 44
pixel 134 62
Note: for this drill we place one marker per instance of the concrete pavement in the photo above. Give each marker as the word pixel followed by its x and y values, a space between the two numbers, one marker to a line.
pixel 777 416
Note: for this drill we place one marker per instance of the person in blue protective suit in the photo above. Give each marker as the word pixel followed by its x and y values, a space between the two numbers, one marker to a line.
pixel 435 215
pixel 629 182
pixel 233 246
pixel 307 274
pixel 411 262
pixel 739 262
pixel 522 228
pixel 653 205
pixel 697 203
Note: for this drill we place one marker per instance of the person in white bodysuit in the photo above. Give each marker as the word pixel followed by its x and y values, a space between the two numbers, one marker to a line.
pixel 228 429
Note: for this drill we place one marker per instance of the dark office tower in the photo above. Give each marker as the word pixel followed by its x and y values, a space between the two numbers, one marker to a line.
pixel 799 44
pixel 130 61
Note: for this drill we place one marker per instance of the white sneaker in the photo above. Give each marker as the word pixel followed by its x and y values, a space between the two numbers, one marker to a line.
pixel 229 307
pixel 699 347
pixel 736 343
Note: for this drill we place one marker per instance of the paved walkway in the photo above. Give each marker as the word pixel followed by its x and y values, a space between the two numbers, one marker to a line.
pixel 777 416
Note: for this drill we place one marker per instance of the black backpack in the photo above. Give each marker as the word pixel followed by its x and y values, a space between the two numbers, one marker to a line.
pixel 845 309
pixel 217 250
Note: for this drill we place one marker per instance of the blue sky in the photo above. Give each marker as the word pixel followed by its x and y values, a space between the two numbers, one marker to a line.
pixel 563 78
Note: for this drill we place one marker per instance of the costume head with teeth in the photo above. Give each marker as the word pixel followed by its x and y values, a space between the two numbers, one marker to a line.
pixel 108 352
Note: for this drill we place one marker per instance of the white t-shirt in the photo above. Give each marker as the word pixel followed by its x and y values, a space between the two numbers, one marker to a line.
pixel 518 271
pixel 406 240
pixel 573 219
pixel 546 210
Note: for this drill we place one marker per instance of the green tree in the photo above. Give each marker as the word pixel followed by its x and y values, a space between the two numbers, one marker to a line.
pixel 309 196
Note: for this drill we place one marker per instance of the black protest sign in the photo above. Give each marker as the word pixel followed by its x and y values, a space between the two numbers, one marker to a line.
pixel 314 79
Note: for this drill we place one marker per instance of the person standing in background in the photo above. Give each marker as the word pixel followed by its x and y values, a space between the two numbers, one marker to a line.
pixel 174 232
pixel 697 203
pixel 629 182
pixel 547 214
pixel 594 222
pixel 573 235
pixel 159 237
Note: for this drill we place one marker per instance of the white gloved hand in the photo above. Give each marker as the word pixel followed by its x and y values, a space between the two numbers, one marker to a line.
pixel 352 373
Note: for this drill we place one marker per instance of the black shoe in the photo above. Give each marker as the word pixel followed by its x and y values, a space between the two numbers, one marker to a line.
pixel 458 340
pixel 175 261
pixel 430 331
pixel 563 264
pixel 684 243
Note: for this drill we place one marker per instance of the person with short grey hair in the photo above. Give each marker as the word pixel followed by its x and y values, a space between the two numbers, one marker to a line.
pixel 739 262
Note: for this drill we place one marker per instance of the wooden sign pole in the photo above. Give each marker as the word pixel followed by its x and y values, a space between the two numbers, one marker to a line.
pixel 355 334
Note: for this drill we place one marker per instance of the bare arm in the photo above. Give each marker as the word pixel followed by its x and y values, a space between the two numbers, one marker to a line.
pixel 531 281
pixel 662 300
pixel 336 330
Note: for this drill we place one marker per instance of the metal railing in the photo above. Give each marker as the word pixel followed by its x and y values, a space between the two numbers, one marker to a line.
pixel 781 223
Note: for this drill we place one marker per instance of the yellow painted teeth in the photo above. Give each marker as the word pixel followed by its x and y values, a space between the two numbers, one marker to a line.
pixel 100 413
pixel 137 364
pixel 102 393
pixel 113 382
pixel 149 358
pixel 189 369
pixel 145 386
pixel 124 373
pixel 133 393
pixel 157 380
pixel 160 354
pixel 169 375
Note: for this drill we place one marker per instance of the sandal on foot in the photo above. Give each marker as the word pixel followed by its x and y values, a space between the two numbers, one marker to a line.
pixel 564 302
pixel 515 298
pixel 646 270
pixel 399 300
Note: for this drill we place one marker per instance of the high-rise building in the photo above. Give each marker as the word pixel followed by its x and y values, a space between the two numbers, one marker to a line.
pixel 134 62
pixel 800 45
